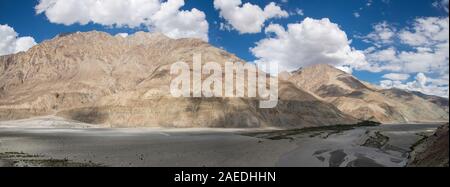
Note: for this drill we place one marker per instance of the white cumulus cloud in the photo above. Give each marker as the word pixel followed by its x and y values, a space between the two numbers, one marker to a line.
pixel 441 4
pixel 421 48
pixel 425 49
pixel 123 35
pixel 309 42
pixel 177 23
pixel 426 31
pixel 299 12
pixel 164 17
pixel 396 76
pixel 382 33
pixel 11 43
pixel 422 83
pixel 247 18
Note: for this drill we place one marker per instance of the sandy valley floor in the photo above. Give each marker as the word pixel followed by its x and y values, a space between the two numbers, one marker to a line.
pixel 51 141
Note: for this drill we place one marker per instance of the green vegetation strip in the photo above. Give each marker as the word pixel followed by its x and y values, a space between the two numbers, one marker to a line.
pixel 419 142
pixel 286 134
pixel 377 141
pixel 20 159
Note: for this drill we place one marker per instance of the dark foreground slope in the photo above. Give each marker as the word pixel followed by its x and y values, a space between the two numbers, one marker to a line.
pixel 432 151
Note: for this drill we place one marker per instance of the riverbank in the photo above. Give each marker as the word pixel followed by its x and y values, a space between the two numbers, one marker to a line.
pixel 385 145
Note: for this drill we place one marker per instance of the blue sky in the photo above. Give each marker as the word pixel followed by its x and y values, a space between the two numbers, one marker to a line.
pixel 399 14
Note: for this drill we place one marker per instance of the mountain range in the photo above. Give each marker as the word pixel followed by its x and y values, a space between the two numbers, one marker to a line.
pixel 117 81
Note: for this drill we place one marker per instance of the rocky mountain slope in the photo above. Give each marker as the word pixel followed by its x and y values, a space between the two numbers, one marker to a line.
pixel 364 101
pixel 442 102
pixel 97 78
pixel 431 151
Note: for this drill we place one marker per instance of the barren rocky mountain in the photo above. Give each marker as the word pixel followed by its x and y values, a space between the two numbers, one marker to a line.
pixel 97 78
pixel 442 102
pixel 367 102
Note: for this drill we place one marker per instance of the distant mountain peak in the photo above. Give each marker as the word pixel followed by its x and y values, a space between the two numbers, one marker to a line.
pixel 365 101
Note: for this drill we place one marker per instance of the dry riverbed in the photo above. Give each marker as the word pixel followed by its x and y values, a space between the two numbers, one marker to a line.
pixel 52 141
